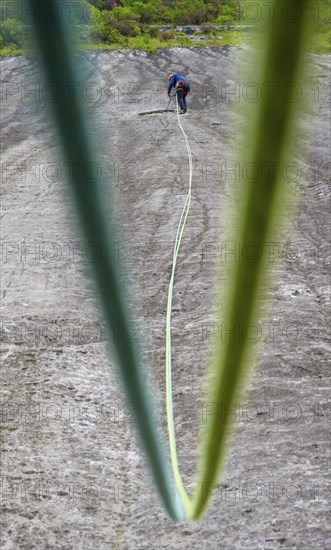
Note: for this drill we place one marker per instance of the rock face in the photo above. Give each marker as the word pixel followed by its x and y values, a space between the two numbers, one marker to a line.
pixel 73 476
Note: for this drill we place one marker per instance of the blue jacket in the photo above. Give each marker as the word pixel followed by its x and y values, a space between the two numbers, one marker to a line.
pixel 174 79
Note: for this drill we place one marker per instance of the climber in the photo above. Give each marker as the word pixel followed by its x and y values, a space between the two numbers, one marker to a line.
pixel 182 87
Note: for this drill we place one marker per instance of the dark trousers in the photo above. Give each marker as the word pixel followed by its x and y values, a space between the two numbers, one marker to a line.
pixel 181 96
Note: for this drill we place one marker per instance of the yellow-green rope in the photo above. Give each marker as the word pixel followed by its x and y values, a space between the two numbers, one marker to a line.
pixel 169 404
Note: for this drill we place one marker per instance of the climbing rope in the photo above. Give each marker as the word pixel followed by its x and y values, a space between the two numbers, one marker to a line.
pixel 169 403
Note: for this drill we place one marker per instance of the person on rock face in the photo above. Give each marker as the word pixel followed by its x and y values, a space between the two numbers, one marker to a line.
pixel 182 87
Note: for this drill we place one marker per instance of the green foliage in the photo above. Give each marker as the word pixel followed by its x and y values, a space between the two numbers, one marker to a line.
pixel 145 43
pixel 122 13
pixel 190 12
pixel 166 36
pixel 228 13
pixel 101 28
pixel 154 32
pixel 147 12
pixel 126 27
pixel 116 22
pixel 11 33
pixel 136 31
pixel 99 4
pixel 321 42
pixel 206 28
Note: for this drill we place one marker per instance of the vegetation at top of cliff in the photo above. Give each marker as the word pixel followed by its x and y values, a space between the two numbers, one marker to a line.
pixel 149 24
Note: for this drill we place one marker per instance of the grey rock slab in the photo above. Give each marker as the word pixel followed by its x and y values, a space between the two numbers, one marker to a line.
pixel 73 476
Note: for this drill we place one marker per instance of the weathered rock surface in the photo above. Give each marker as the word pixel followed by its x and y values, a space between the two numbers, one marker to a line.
pixel 73 476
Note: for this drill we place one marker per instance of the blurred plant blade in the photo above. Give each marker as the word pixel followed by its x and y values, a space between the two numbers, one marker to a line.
pixel 60 69
pixel 266 144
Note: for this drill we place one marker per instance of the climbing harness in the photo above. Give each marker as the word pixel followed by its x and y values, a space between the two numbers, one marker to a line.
pixel 183 85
